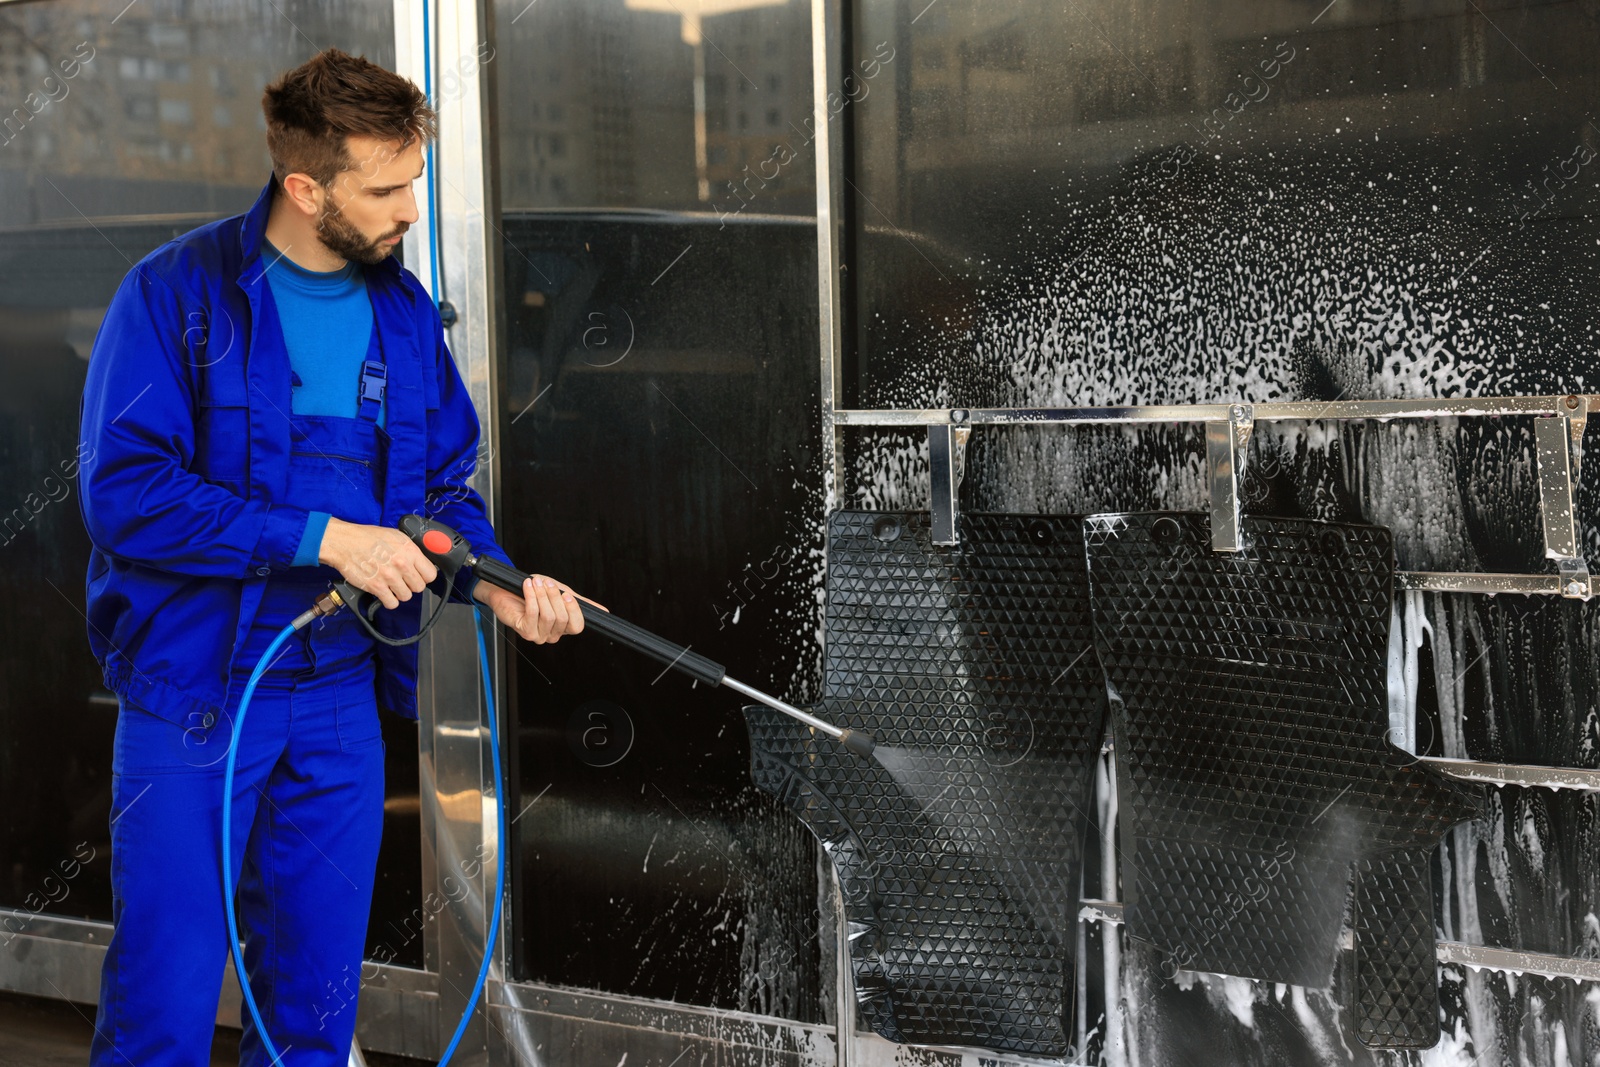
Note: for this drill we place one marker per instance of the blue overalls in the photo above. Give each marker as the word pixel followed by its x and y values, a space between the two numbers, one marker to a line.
pixel 307 809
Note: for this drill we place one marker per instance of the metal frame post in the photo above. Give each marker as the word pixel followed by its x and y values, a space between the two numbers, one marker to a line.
pixel 454 751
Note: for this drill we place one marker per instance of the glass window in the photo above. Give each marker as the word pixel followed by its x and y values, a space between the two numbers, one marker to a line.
pixel 177 111
pixel 658 430
pixel 87 188
pixel 1178 211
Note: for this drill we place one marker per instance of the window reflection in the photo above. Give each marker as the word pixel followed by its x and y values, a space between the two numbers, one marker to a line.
pixel 121 126
pixel 657 429
pixel 656 104
pixel 1120 163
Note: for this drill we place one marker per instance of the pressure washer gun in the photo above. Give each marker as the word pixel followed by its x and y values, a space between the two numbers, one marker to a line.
pixel 449 552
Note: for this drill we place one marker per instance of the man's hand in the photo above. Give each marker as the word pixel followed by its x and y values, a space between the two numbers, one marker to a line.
pixel 545 611
pixel 376 559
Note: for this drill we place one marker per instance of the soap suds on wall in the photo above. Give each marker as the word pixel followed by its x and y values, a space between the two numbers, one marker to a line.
pixel 1323 279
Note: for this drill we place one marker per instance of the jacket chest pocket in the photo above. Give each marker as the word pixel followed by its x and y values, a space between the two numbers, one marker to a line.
pixel 222 426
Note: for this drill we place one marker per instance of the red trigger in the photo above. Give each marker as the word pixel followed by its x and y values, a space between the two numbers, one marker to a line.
pixel 437 542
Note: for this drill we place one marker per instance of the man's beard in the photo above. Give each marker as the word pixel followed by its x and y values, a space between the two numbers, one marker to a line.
pixel 343 239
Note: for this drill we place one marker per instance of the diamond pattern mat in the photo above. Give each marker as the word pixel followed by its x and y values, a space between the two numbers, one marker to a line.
pixel 1394 965
pixel 1248 694
pixel 1249 702
pixel 958 849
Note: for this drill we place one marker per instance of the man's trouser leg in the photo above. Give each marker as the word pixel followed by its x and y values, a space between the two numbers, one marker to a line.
pixel 163 968
pixel 306 888
pixel 308 817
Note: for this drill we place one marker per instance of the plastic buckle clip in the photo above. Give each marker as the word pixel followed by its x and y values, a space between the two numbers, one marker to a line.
pixel 374 379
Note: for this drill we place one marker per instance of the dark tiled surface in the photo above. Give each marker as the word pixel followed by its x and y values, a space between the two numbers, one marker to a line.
pixel 1396 989
pixel 958 852
pixel 1251 716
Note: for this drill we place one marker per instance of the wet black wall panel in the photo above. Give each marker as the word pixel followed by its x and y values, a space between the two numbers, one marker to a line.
pixel 658 453
pixel 1249 697
pixel 958 847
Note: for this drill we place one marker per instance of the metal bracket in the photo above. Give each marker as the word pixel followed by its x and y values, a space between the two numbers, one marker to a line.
pixel 1507 961
pixel 1227 452
pixel 1560 424
pixel 946 464
pixel 1552 439
pixel 1575 583
pixel 1584 779
pixel 1558 441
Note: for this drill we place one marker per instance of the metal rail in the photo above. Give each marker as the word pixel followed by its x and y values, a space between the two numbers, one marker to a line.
pixel 1482 957
pixel 1559 424
pixel 1583 779
pixel 1571 405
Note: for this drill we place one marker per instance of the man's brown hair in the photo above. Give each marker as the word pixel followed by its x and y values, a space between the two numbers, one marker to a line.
pixel 311 109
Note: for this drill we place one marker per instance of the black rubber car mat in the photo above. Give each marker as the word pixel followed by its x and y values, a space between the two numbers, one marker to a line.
pixel 1249 703
pixel 1394 966
pixel 958 850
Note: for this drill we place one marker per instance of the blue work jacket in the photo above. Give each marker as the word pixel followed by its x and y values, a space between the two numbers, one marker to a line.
pixel 186 417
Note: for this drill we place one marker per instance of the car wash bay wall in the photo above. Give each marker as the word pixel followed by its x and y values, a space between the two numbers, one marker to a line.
pixel 1099 205
pixel 659 451
pixel 1179 203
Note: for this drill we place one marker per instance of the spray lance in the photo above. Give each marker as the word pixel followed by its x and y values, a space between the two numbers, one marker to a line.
pixel 449 552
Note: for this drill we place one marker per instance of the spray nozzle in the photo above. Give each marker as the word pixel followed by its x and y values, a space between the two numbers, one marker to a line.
pixel 857 741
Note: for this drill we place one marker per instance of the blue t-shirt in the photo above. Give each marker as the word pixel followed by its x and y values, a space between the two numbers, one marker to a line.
pixel 327 328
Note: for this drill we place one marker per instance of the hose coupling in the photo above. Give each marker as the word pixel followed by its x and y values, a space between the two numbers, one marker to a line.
pixel 327 603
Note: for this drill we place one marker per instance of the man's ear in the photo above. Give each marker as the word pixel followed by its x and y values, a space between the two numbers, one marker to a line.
pixel 304 193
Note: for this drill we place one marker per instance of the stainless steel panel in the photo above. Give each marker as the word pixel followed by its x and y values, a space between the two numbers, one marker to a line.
pixel 870 1050
pixel 1511 961
pixel 544 1025
pixel 827 49
pixel 459 799
pixel 399 1012
pixel 827 58
pixel 60 958
pixel 41 962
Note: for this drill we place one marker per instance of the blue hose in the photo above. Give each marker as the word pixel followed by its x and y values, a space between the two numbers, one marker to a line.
pixel 227 839
pixel 501 856
pixel 433 209
pixel 488 692
pixel 227 844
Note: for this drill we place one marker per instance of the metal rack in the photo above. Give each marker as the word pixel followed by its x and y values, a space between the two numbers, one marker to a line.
pixel 1559 424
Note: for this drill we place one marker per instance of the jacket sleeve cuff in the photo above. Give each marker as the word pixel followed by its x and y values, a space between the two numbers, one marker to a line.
pixel 280 538
pixel 311 541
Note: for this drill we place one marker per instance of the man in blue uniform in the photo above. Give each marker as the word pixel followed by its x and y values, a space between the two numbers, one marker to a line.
pixel 267 396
